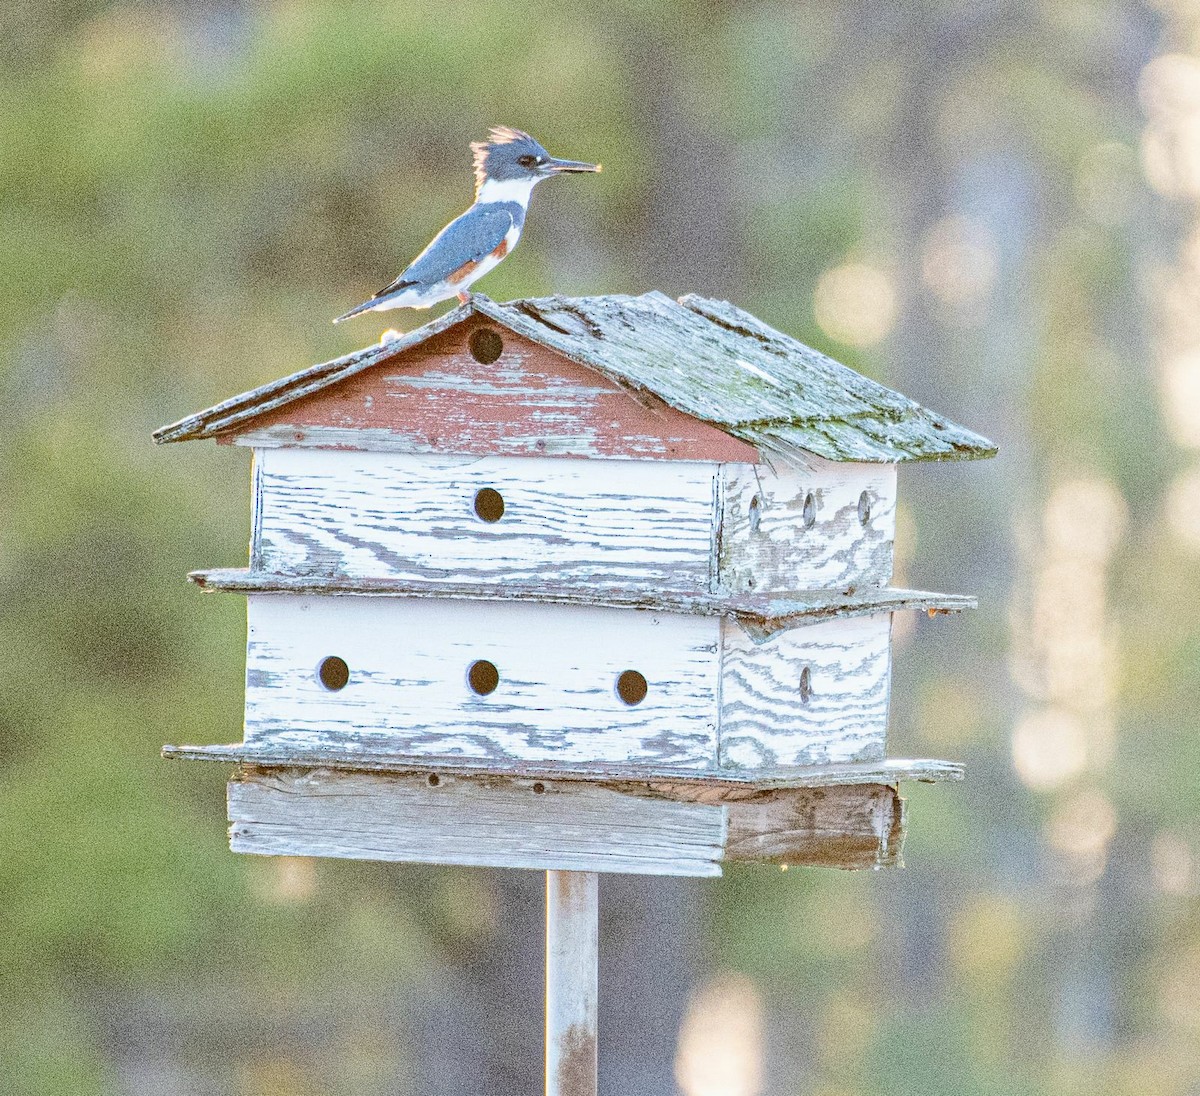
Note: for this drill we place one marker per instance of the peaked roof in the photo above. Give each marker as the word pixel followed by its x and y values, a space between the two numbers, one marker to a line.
pixel 706 358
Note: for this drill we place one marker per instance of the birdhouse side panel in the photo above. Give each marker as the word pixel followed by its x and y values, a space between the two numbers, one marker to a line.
pixel 636 525
pixel 784 529
pixel 568 825
pixel 479 388
pixel 811 695
pixel 510 681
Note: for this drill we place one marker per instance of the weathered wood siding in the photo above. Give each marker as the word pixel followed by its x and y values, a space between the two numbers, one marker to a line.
pixel 408 691
pixel 678 527
pixel 532 401
pixel 635 525
pixel 784 528
pixel 842 826
pixel 509 824
pixel 514 822
pixel 813 695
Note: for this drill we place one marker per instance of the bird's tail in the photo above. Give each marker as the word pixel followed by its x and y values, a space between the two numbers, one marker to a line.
pixel 366 306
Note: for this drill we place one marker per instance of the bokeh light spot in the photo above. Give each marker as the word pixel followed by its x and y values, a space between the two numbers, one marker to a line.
pixel 721 1040
pixel 855 304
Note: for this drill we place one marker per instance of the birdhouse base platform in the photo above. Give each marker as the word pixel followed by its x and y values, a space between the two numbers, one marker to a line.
pixel 591 819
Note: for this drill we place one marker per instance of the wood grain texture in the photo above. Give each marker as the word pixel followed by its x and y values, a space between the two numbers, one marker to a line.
pixel 408 692
pixel 509 824
pixel 642 526
pixel 787 529
pixel 850 827
pixel 532 401
pixel 765 720
pixel 892 770
pixel 659 829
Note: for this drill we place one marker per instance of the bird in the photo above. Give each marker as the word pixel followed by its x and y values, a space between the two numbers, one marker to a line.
pixel 508 165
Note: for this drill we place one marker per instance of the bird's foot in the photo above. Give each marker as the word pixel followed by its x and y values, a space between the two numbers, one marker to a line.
pixel 464 297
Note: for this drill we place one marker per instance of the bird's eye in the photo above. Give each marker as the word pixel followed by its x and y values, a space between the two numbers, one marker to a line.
pixel 527 160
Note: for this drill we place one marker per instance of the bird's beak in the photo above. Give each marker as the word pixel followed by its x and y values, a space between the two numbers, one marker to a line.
pixel 557 167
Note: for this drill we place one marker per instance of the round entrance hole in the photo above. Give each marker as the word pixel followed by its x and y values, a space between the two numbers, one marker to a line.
pixel 864 508
pixel 489 505
pixel 810 510
pixel 333 673
pixel 483 677
pixel 632 687
pixel 486 345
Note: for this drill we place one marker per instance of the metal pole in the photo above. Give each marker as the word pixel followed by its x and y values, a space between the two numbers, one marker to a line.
pixel 572 949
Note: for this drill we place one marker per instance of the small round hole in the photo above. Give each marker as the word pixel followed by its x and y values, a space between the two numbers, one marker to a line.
pixel 539 788
pixel 334 673
pixel 806 691
pixel 486 345
pixel 489 504
pixel 433 780
pixel 810 510
pixel 632 687
pixel 755 513
pixel 864 507
pixel 483 677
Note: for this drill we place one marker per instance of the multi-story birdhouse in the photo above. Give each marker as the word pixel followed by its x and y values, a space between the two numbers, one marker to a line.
pixel 599 583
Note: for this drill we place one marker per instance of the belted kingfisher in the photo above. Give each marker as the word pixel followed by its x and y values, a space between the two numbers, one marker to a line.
pixel 508 165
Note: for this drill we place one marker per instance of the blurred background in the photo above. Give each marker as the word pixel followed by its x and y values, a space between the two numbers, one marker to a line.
pixel 992 207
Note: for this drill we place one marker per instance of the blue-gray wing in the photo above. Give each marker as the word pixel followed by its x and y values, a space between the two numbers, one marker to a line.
pixel 466 240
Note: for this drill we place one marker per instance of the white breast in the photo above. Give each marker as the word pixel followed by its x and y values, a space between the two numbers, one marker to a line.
pixel 507 190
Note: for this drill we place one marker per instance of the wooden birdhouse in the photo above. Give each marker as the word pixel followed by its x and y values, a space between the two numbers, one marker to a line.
pixel 598 584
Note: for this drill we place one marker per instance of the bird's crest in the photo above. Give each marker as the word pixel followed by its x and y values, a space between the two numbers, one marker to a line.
pixel 497 136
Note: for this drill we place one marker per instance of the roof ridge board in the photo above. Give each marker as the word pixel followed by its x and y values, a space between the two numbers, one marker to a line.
pixel 201 419
pixel 276 393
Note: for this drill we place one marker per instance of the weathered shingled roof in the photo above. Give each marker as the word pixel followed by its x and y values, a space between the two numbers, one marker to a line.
pixel 706 358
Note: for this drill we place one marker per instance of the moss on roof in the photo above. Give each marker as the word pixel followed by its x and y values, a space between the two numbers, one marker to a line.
pixel 706 358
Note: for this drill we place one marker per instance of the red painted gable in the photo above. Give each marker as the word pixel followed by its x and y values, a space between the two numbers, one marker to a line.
pixel 439 397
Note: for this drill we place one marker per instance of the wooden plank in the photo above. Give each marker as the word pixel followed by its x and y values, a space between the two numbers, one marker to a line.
pixel 237 411
pixel 785 528
pixel 270 755
pixel 408 689
pixel 805 696
pixel 848 826
pixel 435 397
pixel 565 826
pixel 642 526
pixel 662 828
pixel 768 610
